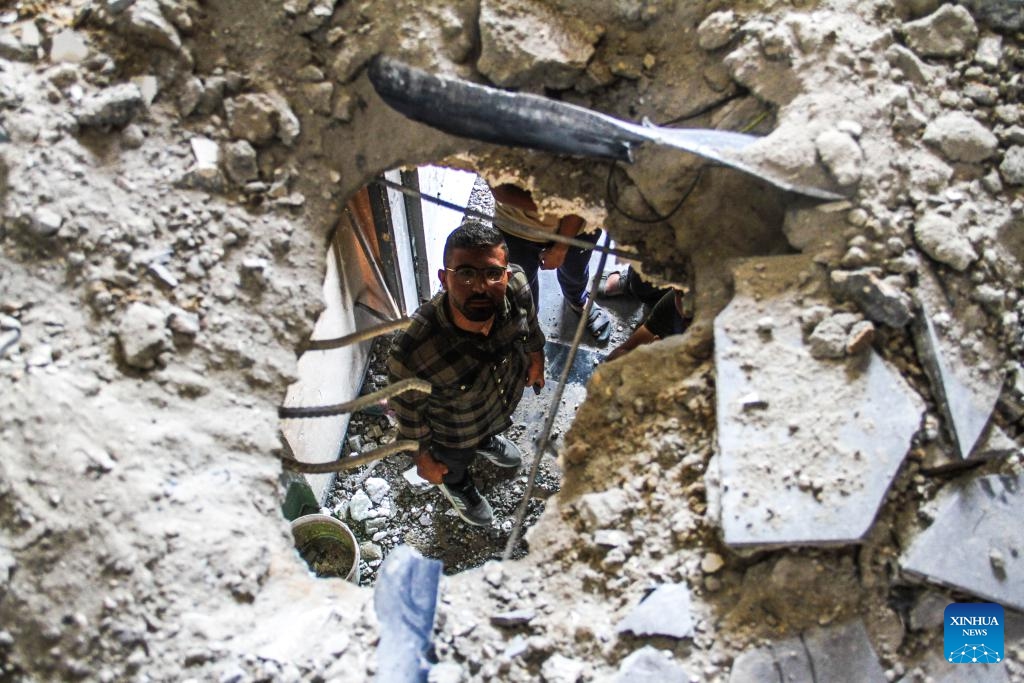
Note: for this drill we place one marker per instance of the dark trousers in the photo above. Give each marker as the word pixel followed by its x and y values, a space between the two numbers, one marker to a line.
pixel 458 461
pixel 573 274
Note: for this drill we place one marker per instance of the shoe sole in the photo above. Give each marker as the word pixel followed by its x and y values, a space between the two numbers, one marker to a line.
pixel 459 512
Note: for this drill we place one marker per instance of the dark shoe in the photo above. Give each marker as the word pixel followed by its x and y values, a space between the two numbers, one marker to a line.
pixel 501 452
pixel 598 324
pixel 613 283
pixel 468 503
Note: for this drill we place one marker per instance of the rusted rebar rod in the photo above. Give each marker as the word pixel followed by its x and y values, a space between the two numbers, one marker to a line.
pixel 355 337
pixel 349 462
pixel 375 398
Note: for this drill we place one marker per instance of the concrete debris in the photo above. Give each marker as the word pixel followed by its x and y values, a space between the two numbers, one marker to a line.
pixel 717 30
pixel 112 107
pixel 446 672
pixel 818 654
pixel 240 162
pixel 829 338
pixel 974 518
pixel 146 21
pixel 1012 167
pixel 665 612
pixel 711 563
pixel 143 335
pixel 206 152
pixel 941 238
pixel 800 471
pixel 359 506
pixel 841 155
pixel 949 32
pixel 603 510
pixel 378 489
pixel 68 46
pixel 561 669
pixel 252 117
pixel 524 42
pixel 519 617
pixel 416 483
pixel 964 378
pixel 650 665
pixel 881 300
pixel 961 138
pixel 1001 15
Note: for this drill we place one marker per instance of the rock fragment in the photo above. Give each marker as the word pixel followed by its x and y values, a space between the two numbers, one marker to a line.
pixel 68 46
pixel 841 155
pixel 949 32
pixel 821 654
pixel 961 138
pixel 526 42
pixel 519 617
pixel 1012 167
pixel 146 21
pixel 561 669
pixel 974 518
pixel 240 162
pixel 941 238
pixel 716 30
pixel 112 107
pixel 650 665
pixel 879 299
pixel 252 117
pixel 665 612
pixel 359 506
pixel 603 510
pixel 143 335
pixel 377 488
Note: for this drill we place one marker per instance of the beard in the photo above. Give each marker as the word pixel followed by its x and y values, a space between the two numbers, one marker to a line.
pixel 477 308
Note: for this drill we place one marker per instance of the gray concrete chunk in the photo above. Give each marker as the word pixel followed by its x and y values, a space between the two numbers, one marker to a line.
pixel 665 612
pixel 812 466
pixel 975 544
pixel 965 379
pixel 650 665
pixel 835 653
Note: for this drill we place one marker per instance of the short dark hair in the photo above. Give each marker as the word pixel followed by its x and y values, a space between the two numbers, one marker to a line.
pixel 473 234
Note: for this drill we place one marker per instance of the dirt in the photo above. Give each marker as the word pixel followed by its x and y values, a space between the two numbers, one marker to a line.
pixel 155 304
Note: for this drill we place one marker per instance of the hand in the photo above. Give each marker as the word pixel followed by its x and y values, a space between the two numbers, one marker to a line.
pixel 553 257
pixel 430 469
pixel 535 372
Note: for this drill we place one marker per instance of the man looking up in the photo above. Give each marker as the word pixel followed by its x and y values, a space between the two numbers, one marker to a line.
pixel 478 344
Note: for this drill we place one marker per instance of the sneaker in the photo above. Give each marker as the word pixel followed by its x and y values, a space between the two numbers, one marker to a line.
pixel 468 503
pixel 501 452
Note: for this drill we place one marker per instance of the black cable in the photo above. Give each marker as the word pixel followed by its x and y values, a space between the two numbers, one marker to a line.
pixel 611 196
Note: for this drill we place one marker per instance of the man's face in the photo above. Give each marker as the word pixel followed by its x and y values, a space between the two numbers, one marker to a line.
pixel 478 298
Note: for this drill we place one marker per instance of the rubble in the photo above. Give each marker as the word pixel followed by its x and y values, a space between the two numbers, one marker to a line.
pixel 665 612
pixel 973 545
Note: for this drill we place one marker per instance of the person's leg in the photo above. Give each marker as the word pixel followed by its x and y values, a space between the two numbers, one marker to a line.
pixel 526 255
pixel 574 273
pixel 458 461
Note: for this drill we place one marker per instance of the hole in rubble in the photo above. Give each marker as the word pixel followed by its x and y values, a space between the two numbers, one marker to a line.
pixel 382 264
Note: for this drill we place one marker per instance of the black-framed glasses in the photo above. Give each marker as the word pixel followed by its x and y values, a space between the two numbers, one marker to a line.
pixel 467 275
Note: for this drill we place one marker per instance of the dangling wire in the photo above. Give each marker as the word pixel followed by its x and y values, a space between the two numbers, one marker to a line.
pixel 611 193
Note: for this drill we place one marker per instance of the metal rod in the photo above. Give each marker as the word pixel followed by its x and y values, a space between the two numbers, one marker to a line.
pixel 349 462
pixel 545 434
pixel 355 337
pixel 375 398
pixel 539 234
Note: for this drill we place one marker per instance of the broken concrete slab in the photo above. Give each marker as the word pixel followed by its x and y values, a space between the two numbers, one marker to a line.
pixel 665 612
pixel 943 456
pixel 964 369
pixel 975 544
pixel 651 665
pixel 813 465
pixel 937 669
pixel 835 653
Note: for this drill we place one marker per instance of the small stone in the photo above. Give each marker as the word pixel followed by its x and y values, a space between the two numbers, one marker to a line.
pixel 665 612
pixel 603 510
pixel 113 107
pixel 997 560
pixel 1012 167
pixel 861 336
pixel 841 155
pixel 494 574
pixel 143 335
pixel 68 46
pixel 446 672
pixel 949 32
pixel 240 162
pixel 416 483
pixel 961 138
pixel 716 30
pixel 370 551
pixel 711 563
pixel 519 617
pixel 146 20
pixel 753 401
pixel 941 238
pixel 561 669
pixel 359 506
pixel 377 488
pixel 205 151
pixel 46 222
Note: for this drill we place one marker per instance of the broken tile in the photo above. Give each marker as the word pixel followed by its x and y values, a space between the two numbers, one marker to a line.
pixel 965 391
pixel 975 544
pixel 820 654
pixel 665 612
pixel 813 464
pixel 651 665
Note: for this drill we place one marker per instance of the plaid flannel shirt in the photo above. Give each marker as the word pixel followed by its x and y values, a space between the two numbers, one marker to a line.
pixel 477 380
